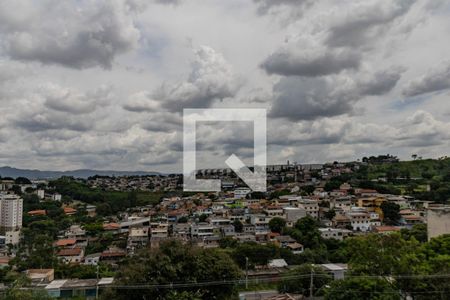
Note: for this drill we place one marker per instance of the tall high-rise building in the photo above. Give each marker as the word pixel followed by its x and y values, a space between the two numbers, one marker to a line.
pixel 11 207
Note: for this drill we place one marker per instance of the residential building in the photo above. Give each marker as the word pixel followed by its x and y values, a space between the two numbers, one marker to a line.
pixel 137 237
pixel 287 242
pixel 293 214
pixel 56 197
pixel 261 223
pixel 310 206
pixel 334 233
pixel 12 237
pixel 336 270
pixel 274 211
pixel 360 220
pixel 71 255
pixel 11 207
pixel 41 275
pixel 40 194
pixel 386 229
pixel 159 229
pixel 241 193
pixel 341 203
pixel 75 232
pixel 6 185
pixel 228 230
pixel 438 221
pixel 200 230
pixel 92 259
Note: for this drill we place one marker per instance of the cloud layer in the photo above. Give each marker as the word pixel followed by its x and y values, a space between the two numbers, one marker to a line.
pixel 102 84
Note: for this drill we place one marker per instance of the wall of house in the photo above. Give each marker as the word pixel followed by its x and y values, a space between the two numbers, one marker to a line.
pixel 438 220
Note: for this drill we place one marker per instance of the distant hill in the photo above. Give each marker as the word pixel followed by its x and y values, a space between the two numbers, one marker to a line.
pixel 82 173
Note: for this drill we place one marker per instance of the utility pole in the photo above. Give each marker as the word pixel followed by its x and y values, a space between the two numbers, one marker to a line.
pixel 96 287
pixel 246 272
pixel 311 284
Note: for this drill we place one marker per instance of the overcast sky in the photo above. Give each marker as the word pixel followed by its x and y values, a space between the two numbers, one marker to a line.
pixel 102 84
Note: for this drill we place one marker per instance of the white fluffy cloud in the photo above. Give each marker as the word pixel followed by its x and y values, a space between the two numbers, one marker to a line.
pixel 141 102
pixel 211 78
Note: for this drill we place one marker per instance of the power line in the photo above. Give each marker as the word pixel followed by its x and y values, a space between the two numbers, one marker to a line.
pixel 268 279
pixel 265 279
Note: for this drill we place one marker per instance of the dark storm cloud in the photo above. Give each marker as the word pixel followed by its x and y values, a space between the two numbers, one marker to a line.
pixel 307 99
pixel 302 98
pixel 72 34
pixel 365 22
pixel 52 122
pixel 302 62
pixel 380 82
pixel 73 102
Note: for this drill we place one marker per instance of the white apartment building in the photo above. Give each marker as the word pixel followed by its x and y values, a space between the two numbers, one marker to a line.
pixel 360 220
pixel 12 237
pixel 40 194
pixel 11 207
pixel 261 223
pixel 201 230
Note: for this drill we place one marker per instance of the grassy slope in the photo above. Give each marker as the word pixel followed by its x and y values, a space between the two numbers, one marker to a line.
pixel 416 169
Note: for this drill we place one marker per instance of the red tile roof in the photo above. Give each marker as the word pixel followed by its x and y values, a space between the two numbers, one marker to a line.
pixel 69 210
pixel 65 242
pixel 39 212
pixel 386 228
pixel 111 226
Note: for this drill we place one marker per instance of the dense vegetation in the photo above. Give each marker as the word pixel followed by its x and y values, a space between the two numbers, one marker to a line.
pixel 157 269
pixel 107 202
pixel 423 179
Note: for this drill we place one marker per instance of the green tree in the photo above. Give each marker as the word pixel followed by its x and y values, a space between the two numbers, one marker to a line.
pixel 330 214
pixel 228 242
pixel 306 232
pixel 383 255
pixel 308 189
pixel 22 180
pixel 332 185
pixel 418 231
pixel 174 262
pixel 238 226
pixel 298 280
pixel 202 217
pixel 16 291
pixel 391 213
pixel 361 288
pixel 36 252
pixel 277 224
pixel 257 254
pixel 183 219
